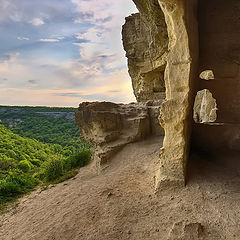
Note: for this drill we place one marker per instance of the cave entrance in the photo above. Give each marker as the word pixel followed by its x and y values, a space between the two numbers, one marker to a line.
pixel 219 70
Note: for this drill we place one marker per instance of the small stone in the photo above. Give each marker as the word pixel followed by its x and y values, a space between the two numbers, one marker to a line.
pixel 207 75
pixel 109 194
pixel 50 186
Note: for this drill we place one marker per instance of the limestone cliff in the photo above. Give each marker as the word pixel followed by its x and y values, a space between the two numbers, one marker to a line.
pixel 145 41
pixel 187 64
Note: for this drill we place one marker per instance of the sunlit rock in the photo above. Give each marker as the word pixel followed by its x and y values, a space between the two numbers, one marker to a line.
pixel 110 126
pixel 205 107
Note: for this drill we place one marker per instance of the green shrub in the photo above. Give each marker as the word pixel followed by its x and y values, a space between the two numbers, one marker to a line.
pixel 15 184
pixel 40 174
pixel 36 162
pixel 7 163
pixel 25 162
pixel 53 168
pixel 24 165
pixel 79 159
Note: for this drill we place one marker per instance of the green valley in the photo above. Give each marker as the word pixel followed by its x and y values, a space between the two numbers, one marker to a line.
pixel 38 145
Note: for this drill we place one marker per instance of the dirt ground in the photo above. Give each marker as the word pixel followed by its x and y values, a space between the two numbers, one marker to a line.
pixel 120 202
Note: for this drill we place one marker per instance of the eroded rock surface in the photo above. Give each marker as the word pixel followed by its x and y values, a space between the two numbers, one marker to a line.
pixel 110 126
pixel 162 44
pixel 179 77
pixel 186 231
pixel 145 41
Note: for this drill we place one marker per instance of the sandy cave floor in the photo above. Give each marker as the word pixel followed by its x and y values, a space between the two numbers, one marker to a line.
pixel 120 202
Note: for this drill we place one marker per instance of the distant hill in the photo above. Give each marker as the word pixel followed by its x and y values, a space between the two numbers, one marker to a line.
pixel 46 124
pixel 37 144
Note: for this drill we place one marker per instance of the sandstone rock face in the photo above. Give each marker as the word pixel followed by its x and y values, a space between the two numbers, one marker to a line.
pixel 109 126
pixel 145 41
pixel 162 44
pixel 205 107
pixel 179 76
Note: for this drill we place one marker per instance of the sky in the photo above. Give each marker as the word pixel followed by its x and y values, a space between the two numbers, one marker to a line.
pixel 63 52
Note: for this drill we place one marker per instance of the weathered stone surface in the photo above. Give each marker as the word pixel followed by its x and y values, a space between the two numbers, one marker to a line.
pixel 180 73
pixel 145 41
pixel 205 107
pixel 186 231
pixel 162 43
pixel 109 126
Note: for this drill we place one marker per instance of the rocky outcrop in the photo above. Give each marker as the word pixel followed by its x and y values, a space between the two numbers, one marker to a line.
pixel 109 126
pixel 162 44
pixel 145 41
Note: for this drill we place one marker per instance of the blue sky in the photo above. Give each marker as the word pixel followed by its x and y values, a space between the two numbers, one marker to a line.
pixel 63 52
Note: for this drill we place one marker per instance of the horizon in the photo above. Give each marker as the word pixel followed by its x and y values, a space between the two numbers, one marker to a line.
pixel 59 54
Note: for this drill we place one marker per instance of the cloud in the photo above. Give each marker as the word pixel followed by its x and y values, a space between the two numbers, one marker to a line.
pixel 50 40
pixel 37 22
pixel 92 34
pixel 103 38
pixel 8 61
pixel 87 62
pixel 35 97
pixel 48 97
pixel 103 12
pixel 8 10
pixel 23 38
pixel 12 57
pixel 93 10
pixel 32 81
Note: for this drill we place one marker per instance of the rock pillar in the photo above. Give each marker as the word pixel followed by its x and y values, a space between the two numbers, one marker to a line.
pixel 176 111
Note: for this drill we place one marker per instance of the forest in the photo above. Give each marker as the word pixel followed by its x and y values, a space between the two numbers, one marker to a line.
pixel 38 146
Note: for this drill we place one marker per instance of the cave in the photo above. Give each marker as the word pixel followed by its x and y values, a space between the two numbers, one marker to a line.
pixel 183 60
